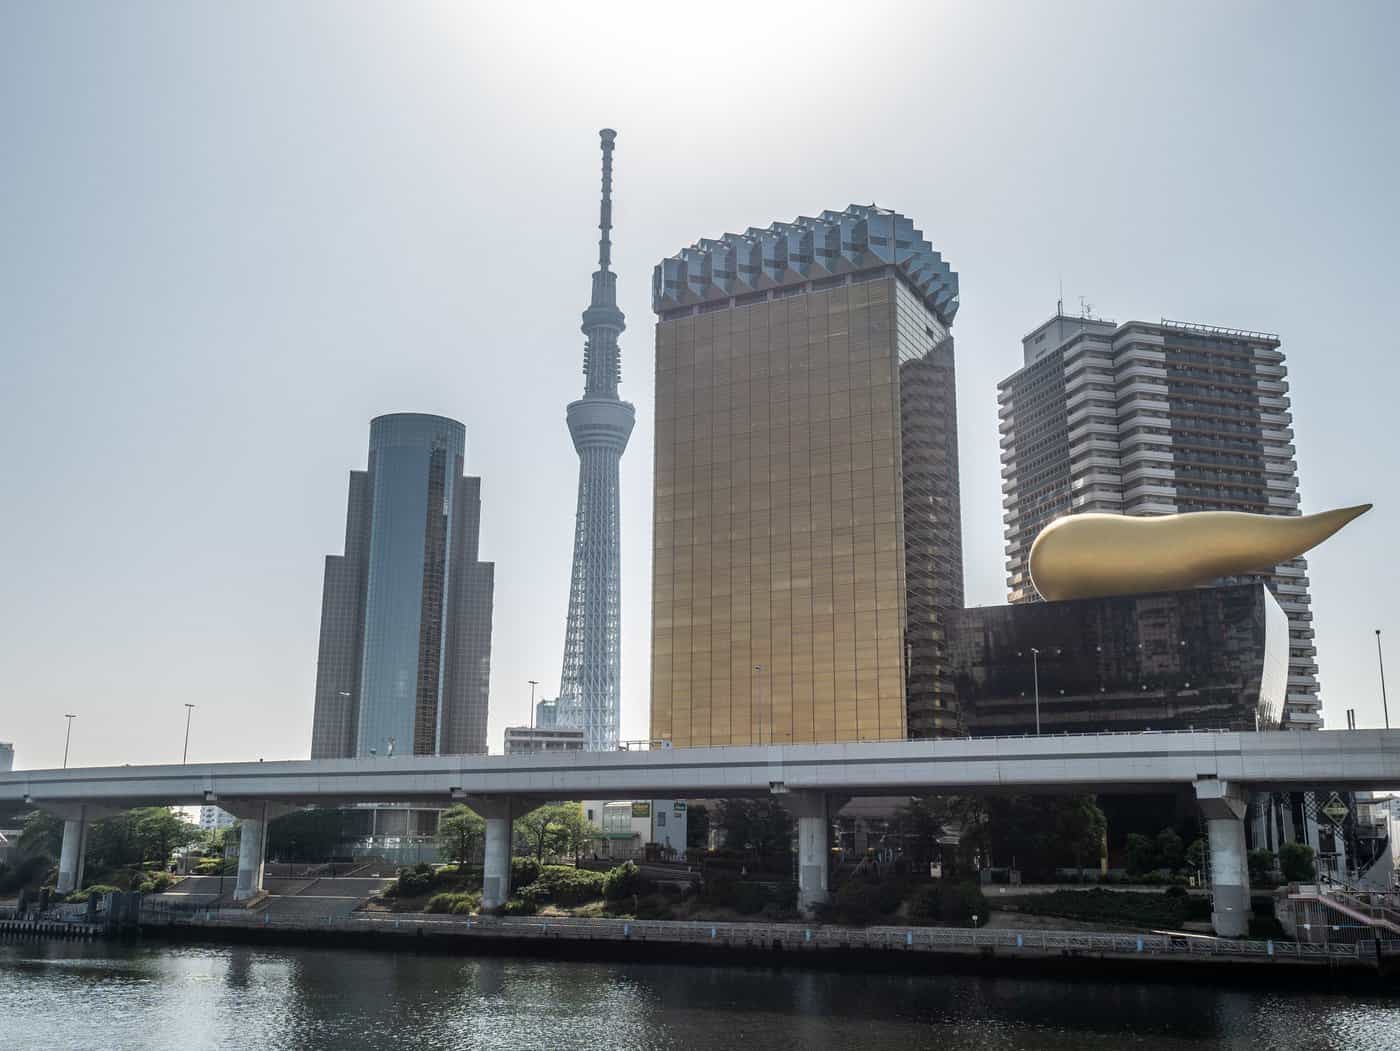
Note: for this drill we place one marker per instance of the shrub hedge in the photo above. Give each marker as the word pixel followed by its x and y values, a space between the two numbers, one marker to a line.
pixel 523 871
pixel 564 885
pixel 96 890
pixel 455 902
pixel 623 882
pixel 948 902
pixel 1109 906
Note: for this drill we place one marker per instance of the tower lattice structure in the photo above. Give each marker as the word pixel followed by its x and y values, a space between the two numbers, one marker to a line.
pixel 600 423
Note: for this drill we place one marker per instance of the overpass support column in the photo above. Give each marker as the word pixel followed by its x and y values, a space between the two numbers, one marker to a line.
pixel 1224 805
pixel 252 852
pixel 73 853
pixel 813 813
pixel 498 813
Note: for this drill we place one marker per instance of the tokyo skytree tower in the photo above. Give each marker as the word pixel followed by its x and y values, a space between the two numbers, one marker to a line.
pixel 600 423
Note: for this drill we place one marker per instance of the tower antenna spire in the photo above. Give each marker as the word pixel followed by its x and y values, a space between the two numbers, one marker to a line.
pixel 606 137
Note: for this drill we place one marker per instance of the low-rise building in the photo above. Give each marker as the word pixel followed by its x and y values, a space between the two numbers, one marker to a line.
pixel 1206 658
pixel 520 739
pixel 212 819
pixel 627 826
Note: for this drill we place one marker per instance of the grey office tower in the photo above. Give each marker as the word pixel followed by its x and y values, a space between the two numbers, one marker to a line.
pixel 405 651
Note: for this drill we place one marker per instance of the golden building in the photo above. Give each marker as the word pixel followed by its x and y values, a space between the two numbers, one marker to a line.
pixel 805 432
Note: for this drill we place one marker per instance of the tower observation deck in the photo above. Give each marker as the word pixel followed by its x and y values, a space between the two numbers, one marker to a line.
pixel 600 423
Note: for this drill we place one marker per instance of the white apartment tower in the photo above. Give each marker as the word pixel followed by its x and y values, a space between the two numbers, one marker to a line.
pixel 1153 418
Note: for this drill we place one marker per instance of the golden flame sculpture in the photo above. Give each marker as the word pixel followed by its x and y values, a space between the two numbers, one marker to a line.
pixel 1092 555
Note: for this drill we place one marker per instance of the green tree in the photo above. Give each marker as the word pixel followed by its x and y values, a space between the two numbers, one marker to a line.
pixel 575 831
pixel 1080 828
pixel 1196 855
pixel 1297 862
pixel 159 832
pixel 921 824
pixel 545 830
pixel 460 832
pixel 1142 853
pixel 1170 850
pixel 1261 866
pixel 1038 833
pixel 112 844
pixel 758 825
pixel 697 826
pixel 42 835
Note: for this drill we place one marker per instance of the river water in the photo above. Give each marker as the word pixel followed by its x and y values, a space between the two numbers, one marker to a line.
pixel 152 995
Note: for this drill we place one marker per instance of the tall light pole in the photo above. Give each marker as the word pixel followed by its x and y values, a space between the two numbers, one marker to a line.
pixel 533 683
pixel 758 708
pixel 189 710
pixel 68 736
pixel 1035 671
pixel 1385 708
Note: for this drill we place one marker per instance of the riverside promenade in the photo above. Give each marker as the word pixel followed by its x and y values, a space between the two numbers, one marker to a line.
pixel 779 943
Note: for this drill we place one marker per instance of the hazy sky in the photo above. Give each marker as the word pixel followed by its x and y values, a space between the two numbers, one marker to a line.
pixel 232 234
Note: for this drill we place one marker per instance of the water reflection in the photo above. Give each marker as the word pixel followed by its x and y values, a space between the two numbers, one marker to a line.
pixel 144 996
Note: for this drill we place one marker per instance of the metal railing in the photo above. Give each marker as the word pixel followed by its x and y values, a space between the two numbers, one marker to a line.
pixel 792 936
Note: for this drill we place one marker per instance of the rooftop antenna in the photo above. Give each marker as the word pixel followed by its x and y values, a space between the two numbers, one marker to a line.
pixel 1060 303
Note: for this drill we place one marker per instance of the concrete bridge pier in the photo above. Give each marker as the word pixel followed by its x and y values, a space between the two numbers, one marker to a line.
pixel 253 818
pixel 252 855
pixel 498 813
pixel 813 812
pixel 74 851
pixel 1224 805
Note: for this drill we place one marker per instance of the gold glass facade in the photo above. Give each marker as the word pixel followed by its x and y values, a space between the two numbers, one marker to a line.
pixel 778 606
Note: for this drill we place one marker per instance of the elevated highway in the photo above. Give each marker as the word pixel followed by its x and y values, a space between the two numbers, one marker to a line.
pixel 1220 767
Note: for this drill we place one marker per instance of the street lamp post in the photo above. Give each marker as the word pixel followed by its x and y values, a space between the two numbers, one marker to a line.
pixel 758 677
pixel 189 710
pixel 533 683
pixel 67 737
pixel 1380 660
pixel 1035 671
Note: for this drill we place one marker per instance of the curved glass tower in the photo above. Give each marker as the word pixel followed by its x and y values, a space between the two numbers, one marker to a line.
pixel 406 616
pixel 600 423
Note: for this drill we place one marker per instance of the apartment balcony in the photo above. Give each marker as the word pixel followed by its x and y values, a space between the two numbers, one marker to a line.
pixel 1092 426
pixel 1139 403
pixel 1093 410
pixel 1146 476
